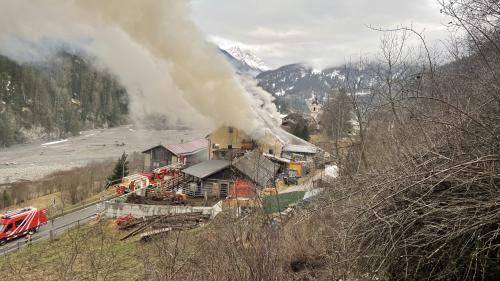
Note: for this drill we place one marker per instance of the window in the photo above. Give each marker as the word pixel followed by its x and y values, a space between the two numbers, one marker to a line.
pixel 223 155
pixel 2 226
pixel 271 151
pixel 9 227
pixel 230 146
pixel 19 223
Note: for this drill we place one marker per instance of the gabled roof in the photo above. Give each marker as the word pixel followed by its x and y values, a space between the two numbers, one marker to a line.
pixel 206 168
pixel 277 159
pixel 186 148
pixel 257 167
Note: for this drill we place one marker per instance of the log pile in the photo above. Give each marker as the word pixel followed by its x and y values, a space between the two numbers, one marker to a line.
pixel 153 226
pixel 157 198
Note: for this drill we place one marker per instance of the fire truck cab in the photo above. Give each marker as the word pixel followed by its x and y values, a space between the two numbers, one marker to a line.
pixel 21 222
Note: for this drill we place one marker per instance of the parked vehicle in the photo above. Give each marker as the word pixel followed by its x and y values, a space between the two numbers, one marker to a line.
pixel 291 177
pixel 21 222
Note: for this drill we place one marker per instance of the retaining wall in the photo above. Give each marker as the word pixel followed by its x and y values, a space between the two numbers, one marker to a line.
pixel 113 210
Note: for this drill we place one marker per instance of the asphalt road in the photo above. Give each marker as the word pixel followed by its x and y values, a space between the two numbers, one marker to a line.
pixel 58 226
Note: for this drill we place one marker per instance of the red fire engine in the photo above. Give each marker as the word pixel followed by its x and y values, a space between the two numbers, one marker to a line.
pixel 21 222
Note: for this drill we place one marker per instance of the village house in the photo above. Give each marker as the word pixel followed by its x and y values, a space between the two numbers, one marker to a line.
pixel 186 154
pixel 301 158
pixel 211 178
pixel 215 178
pixel 227 143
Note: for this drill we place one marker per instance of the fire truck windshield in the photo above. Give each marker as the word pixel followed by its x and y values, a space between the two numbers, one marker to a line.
pixel 2 226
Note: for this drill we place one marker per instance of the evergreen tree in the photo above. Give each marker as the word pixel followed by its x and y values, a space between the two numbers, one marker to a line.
pixel 64 94
pixel 305 135
pixel 121 169
pixel 301 129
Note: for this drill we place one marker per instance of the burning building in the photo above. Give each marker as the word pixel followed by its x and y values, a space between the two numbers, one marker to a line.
pixel 227 143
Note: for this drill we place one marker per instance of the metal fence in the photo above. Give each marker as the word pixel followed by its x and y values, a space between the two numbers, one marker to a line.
pixel 51 233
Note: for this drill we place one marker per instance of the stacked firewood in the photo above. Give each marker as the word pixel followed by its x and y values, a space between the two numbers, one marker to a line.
pixel 150 227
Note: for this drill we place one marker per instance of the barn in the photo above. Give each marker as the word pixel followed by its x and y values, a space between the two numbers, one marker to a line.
pixel 186 153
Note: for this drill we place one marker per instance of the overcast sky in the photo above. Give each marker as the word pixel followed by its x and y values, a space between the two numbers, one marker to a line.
pixel 319 32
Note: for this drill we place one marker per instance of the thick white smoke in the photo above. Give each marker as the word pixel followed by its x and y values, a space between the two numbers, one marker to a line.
pixel 151 46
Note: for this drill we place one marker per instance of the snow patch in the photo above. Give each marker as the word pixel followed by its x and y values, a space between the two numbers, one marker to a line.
pixel 280 93
pixel 331 172
pixel 54 142
pixel 362 93
pixel 248 57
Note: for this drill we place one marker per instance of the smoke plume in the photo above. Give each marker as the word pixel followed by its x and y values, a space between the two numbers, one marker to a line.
pixel 151 46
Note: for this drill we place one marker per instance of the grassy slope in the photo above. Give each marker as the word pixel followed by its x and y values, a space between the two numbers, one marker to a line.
pixel 92 252
pixel 271 203
pixel 229 248
pixel 45 202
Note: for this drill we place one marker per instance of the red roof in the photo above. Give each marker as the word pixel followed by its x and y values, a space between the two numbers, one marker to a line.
pixel 187 148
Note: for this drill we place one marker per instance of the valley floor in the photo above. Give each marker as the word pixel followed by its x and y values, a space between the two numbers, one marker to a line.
pixel 35 160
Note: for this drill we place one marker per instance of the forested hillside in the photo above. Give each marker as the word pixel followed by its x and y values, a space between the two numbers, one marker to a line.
pixel 58 97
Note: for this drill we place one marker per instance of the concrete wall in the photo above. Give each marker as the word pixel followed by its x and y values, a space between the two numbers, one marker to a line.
pixel 114 210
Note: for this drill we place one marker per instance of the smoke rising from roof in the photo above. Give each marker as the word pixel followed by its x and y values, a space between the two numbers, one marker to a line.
pixel 151 46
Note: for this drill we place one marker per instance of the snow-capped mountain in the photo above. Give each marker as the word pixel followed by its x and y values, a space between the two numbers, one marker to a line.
pixel 293 84
pixel 240 67
pixel 248 57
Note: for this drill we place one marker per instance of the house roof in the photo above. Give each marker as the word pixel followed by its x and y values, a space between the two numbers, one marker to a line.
pixel 186 148
pixel 276 158
pixel 256 167
pixel 310 149
pixel 206 168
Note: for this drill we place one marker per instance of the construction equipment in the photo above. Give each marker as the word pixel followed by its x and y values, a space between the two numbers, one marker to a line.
pixel 297 167
pixel 291 177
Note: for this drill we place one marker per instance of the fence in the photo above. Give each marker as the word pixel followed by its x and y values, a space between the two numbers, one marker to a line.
pixel 56 213
pixel 51 233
